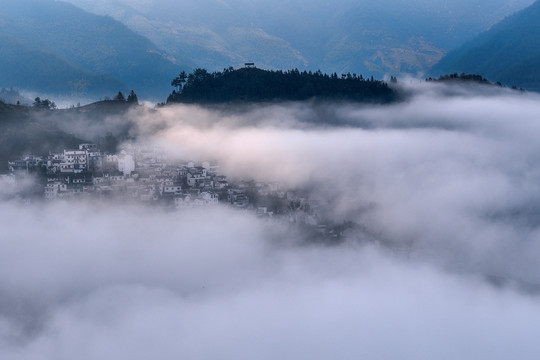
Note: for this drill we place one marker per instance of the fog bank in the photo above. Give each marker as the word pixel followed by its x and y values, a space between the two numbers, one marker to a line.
pixel 449 176
pixel 124 282
pixel 441 260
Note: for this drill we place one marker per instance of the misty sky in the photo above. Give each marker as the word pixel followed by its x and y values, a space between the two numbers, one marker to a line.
pixel 441 265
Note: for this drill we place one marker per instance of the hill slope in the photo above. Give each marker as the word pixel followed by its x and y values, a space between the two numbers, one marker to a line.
pixel 21 133
pixel 26 129
pixel 43 72
pixel 81 42
pixel 509 52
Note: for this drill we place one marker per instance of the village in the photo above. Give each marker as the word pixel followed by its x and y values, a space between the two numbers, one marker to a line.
pixel 146 175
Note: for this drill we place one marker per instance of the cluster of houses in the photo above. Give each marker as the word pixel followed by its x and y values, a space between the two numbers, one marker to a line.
pixel 147 175
pixel 133 174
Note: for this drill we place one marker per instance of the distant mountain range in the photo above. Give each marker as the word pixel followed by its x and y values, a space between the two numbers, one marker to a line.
pixel 57 48
pixel 40 71
pixel 369 37
pixel 509 52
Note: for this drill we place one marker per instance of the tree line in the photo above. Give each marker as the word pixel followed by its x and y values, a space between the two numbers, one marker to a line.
pixel 468 78
pixel 47 104
pixel 131 98
pixel 254 85
pixel 461 77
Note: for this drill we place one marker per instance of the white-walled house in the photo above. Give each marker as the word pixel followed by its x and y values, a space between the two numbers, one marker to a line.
pixel 210 198
pixel 126 164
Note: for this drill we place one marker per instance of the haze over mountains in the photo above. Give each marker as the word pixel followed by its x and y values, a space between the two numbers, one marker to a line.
pixel 509 52
pixel 56 48
pixel 44 72
pixel 266 214
pixel 370 37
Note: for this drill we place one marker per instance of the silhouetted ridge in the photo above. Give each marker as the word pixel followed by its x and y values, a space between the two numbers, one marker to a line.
pixel 255 85
pixel 462 78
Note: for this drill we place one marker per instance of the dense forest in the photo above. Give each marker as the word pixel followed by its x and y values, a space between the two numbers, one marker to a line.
pixel 250 84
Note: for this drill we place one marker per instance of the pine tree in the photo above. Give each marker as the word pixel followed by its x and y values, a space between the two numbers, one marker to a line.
pixel 119 97
pixel 132 98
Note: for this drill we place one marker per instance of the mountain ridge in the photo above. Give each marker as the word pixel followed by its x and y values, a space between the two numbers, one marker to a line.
pixel 509 52
pixel 95 44
pixel 46 73
pixel 373 37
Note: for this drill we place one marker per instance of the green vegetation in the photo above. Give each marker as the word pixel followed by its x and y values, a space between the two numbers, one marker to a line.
pixel 255 85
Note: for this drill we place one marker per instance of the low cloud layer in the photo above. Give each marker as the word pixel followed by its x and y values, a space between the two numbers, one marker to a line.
pixel 448 175
pixel 443 192
pixel 121 282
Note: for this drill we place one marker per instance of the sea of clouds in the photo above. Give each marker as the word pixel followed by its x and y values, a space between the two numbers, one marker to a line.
pixel 443 189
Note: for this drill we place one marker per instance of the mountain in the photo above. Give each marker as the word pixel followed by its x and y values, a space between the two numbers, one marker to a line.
pixel 46 73
pixel 369 37
pixel 509 52
pixel 78 52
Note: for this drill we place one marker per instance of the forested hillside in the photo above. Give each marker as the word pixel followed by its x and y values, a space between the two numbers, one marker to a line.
pixel 254 85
